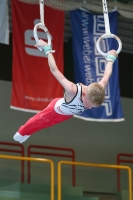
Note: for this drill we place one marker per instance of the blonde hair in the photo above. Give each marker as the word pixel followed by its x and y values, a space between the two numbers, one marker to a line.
pixel 95 93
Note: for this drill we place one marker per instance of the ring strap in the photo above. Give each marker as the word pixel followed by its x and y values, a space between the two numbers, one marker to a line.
pixel 106 17
pixel 41 11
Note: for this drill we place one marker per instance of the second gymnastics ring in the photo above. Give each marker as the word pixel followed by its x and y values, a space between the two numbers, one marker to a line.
pixel 42 26
pixel 108 36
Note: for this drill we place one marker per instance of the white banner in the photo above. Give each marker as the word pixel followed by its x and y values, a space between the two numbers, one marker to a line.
pixel 4 22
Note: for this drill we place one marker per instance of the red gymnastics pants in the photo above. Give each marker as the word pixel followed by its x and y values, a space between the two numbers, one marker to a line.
pixel 44 119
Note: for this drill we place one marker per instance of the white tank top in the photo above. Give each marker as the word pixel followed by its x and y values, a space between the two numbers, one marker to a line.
pixel 75 106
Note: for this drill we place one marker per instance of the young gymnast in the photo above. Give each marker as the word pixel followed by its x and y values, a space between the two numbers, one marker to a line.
pixel 77 98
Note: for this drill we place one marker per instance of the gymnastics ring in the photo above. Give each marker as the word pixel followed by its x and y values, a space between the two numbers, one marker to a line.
pixel 42 26
pixel 108 36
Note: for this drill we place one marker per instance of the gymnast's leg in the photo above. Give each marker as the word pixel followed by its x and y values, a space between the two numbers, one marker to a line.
pixel 44 119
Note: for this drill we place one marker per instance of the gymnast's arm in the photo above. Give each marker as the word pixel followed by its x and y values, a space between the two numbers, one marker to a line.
pixel 108 70
pixel 69 87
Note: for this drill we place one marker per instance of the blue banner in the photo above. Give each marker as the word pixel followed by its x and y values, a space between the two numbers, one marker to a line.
pixel 89 65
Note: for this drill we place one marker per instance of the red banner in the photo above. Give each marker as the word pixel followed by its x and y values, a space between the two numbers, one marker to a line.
pixel 33 85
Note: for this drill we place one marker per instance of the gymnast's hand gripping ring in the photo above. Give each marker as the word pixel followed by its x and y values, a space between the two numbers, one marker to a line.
pixel 42 26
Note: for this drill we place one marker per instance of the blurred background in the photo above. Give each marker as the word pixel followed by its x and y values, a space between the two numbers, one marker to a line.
pixel 91 141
